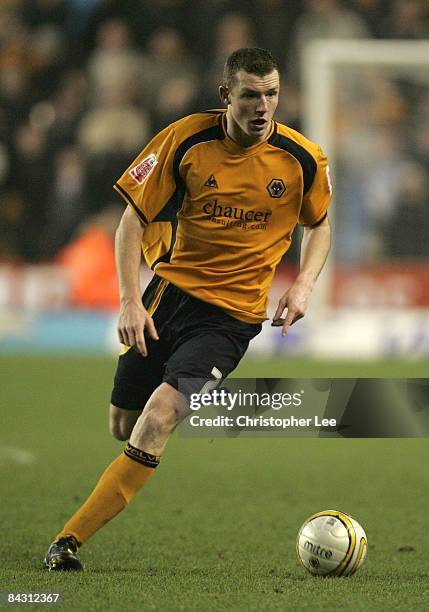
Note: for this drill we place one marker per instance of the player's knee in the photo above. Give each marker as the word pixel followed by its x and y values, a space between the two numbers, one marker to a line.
pixel 160 419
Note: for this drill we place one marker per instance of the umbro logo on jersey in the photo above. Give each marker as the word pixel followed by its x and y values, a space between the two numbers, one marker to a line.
pixel 276 188
pixel 211 182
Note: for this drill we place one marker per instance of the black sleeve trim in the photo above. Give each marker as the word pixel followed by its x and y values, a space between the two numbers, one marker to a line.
pixel 307 161
pixel 319 222
pixel 130 201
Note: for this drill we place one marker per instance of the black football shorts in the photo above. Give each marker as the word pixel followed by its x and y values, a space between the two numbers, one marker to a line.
pixel 198 342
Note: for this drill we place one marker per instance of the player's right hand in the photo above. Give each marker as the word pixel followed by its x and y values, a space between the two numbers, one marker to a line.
pixel 133 319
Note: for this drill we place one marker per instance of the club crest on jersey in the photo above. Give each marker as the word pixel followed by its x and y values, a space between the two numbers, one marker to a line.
pixel 144 168
pixel 276 188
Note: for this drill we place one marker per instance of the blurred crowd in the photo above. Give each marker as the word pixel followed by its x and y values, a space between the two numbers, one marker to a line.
pixel 382 171
pixel 85 83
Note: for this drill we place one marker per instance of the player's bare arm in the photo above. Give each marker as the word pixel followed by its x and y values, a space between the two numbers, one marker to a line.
pixel 133 317
pixel 315 246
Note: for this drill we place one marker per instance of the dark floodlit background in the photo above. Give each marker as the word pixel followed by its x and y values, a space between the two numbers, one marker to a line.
pixel 85 83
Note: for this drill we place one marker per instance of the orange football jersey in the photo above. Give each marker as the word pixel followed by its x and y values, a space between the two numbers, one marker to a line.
pixel 219 217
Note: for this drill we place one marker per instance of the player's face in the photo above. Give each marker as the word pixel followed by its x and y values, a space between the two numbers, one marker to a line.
pixel 252 101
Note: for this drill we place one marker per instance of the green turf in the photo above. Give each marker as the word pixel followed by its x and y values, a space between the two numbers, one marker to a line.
pixel 215 528
pixel 311 368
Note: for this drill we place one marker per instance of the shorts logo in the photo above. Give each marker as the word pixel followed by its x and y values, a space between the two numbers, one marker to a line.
pixel 216 372
pixel 210 385
pixel 143 169
pixel 276 188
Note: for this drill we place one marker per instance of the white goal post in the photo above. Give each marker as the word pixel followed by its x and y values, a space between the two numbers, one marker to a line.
pixel 319 62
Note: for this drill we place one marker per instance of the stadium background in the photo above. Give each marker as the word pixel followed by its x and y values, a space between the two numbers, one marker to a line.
pixel 83 84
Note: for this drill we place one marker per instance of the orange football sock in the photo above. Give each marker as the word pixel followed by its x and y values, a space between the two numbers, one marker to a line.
pixel 115 489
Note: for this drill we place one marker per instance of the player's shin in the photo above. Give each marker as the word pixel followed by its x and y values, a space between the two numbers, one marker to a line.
pixel 116 488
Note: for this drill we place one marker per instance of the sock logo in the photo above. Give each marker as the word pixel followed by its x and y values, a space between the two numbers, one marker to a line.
pixel 141 456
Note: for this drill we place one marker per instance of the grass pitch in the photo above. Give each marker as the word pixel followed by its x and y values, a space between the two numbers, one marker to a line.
pixel 215 528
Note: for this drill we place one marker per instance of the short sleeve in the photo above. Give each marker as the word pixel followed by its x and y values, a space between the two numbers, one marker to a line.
pixel 317 199
pixel 148 184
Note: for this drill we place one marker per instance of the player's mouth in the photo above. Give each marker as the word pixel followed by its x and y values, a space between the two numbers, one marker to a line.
pixel 259 124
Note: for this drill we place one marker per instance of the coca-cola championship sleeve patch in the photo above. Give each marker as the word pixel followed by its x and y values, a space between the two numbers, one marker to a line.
pixel 148 183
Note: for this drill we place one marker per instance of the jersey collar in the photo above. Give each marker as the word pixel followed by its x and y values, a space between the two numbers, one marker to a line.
pixel 235 148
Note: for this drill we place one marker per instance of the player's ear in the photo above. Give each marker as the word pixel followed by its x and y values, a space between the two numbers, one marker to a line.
pixel 224 95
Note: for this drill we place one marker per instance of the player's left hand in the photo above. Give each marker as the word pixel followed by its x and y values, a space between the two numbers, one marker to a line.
pixel 295 300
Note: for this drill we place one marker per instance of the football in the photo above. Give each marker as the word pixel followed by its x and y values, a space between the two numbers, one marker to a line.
pixel 331 543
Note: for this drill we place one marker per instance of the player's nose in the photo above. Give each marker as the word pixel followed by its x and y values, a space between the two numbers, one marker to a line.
pixel 262 105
